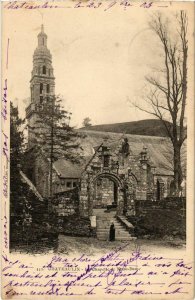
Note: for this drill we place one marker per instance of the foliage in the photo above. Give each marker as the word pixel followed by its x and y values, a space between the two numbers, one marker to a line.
pixel 87 122
pixel 16 136
pixel 16 154
pixel 52 134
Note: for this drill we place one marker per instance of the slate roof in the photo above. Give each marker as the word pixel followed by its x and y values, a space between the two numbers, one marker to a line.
pixel 67 169
pixel 158 150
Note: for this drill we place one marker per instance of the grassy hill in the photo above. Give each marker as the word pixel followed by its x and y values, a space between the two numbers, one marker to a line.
pixel 144 127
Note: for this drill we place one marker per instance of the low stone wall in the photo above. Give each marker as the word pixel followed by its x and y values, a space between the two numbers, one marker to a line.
pixel 160 219
pixel 176 203
pixel 66 203
pixel 76 226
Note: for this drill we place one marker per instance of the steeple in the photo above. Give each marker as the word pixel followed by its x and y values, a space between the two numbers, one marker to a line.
pixel 42 83
pixel 42 50
pixel 42 38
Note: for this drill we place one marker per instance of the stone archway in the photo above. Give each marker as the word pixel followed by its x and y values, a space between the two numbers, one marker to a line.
pixel 118 192
pixel 87 192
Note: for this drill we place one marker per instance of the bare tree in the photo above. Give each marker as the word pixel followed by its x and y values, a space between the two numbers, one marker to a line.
pixel 166 99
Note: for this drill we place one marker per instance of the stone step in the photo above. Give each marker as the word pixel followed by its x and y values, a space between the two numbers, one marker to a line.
pixel 130 238
pixel 107 228
pixel 121 232
pixel 116 233
pixel 125 239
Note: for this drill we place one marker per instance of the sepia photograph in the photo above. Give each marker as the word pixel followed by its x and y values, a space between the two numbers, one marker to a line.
pixel 97 114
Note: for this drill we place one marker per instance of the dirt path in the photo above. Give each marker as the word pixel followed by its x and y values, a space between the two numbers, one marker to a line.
pixel 92 246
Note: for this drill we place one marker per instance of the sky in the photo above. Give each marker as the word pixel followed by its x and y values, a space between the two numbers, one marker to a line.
pixel 100 59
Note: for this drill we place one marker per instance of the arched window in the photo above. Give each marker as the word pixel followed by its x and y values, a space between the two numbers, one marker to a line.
pixel 41 92
pixel 158 191
pixel 44 69
pixel 48 88
pixel 106 161
pixel 172 188
pixel 41 88
pixel 49 71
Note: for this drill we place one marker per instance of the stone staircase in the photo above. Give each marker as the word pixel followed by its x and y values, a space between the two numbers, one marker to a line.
pixel 103 228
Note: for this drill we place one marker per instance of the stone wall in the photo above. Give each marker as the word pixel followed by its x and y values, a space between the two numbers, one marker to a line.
pixel 41 171
pixel 160 219
pixel 66 203
pixel 37 170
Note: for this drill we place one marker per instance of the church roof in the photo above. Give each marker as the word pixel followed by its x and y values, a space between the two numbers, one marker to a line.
pixel 67 169
pixel 158 149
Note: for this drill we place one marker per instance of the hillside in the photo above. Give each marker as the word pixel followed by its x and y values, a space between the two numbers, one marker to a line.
pixel 144 127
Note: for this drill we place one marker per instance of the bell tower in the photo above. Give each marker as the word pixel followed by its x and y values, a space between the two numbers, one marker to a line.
pixel 42 84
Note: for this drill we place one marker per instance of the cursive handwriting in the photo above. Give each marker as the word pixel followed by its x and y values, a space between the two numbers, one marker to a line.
pixel 28 5
pixel 5 183
pixel 4 101
pixel 112 273
pixel 5 231
pixel 5 147
pixel 104 5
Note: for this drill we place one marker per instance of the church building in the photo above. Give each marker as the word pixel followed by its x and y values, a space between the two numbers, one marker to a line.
pixel 116 171
pixel 42 92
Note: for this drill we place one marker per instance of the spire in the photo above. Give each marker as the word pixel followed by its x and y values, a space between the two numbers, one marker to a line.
pixel 42 37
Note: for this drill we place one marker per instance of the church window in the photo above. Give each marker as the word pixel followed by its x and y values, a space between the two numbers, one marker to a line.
pixel 74 184
pixel 48 88
pixel 49 72
pixel 106 161
pixel 41 88
pixel 68 184
pixel 44 69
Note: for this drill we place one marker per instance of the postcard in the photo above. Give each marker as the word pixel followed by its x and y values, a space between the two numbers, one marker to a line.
pixel 97 143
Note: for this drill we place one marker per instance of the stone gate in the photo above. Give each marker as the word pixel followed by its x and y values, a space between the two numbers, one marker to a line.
pixel 114 178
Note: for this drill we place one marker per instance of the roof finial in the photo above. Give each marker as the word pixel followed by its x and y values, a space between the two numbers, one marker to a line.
pixel 42 28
